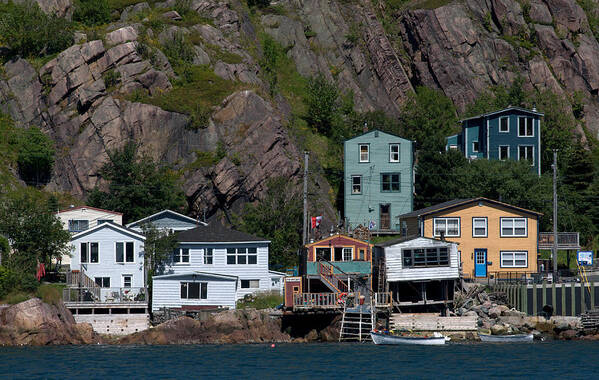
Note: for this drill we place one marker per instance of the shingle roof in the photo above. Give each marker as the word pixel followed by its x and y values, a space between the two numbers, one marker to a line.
pixel 164 212
pixel 389 243
pixel 459 202
pixel 216 233
pixel 512 108
pixel 108 224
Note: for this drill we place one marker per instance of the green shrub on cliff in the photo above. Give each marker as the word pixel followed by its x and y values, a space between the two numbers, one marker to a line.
pixel 35 157
pixel 260 300
pixel 29 32
pixel 92 12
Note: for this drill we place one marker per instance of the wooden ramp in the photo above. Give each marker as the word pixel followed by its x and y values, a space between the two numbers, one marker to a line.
pixel 427 322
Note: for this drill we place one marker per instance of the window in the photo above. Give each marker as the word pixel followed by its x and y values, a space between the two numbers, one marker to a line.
pixel 479 227
pixel 250 284
pixel 526 152
pixel 242 256
pixel 362 255
pixel 425 257
pixel 356 184
pixel 390 182
pixel 103 282
pixel 504 152
pixel 364 153
pixel 347 254
pixel 100 221
pixel 475 146
pixel 89 253
pixel 275 282
pixel 504 124
pixel 208 256
pixel 517 259
pixel 194 290
pixel 127 279
pixel 393 152
pixel 181 255
pixel 513 227
pixel 78 225
pixel 525 127
pixel 447 226
pixel 124 252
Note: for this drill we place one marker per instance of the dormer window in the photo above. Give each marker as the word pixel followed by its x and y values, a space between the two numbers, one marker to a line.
pixel 364 153
pixel 525 127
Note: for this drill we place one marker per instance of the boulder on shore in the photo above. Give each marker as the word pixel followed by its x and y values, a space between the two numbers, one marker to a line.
pixel 36 323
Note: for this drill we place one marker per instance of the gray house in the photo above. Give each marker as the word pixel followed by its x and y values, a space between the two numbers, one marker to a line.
pixel 378 180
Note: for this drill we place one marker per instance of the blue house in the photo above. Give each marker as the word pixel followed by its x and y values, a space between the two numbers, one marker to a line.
pixel 378 180
pixel 513 133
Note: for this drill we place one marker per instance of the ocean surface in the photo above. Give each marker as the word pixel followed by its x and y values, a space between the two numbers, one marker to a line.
pixel 548 360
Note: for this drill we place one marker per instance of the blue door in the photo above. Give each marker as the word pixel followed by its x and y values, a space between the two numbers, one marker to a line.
pixel 480 262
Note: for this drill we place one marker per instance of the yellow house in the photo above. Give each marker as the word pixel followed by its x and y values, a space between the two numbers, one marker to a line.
pixel 493 236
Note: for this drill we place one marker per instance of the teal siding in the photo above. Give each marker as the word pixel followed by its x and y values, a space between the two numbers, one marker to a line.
pixel 365 207
pixel 362 267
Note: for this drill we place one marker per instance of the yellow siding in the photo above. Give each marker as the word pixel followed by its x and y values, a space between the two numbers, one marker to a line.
pixel 494 243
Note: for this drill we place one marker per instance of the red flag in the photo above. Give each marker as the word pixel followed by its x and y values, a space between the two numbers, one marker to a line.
pixel 313 222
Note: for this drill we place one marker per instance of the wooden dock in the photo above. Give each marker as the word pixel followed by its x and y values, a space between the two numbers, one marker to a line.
pixel 427 322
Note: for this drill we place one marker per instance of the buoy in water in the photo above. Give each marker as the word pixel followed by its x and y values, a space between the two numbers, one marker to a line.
pixel 272 345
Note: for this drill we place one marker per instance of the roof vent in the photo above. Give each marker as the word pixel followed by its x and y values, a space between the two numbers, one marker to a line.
pixel 72 206
pixel 376 133
pixel 365 126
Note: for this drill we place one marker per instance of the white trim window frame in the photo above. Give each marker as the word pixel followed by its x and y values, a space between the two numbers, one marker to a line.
pixel 194 290
pixel 242 256
pixel 394 152
pixel 181 256
pixel 208 256
pixel 127 252
pixel 514 259
pixel 356 186
pixel 249 284
pixel 507 155
pixel 513 227
pixel 103 282
pixel 529 153
pixel 347 254
pixel 127 280
pixel 364 154
pixel 507 119
pixel 475 147
pixel 443 225
pixel 527 132
pixel 78 225
pixel 85 255
pixel 478 227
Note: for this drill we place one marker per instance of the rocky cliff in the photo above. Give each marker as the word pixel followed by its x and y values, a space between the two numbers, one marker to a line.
pixel 377 52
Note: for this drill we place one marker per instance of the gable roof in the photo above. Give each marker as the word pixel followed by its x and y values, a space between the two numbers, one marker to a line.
pixel 511 108
pixel 109 224
pixel 207 274
pixel 378 130
pixel 89 207
pixel 217 233
pixel 460 202
pixel 165 212
pixel 404 239
pixel 318 242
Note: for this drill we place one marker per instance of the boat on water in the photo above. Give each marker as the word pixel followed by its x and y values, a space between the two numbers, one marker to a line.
pixel 506 338
pixel 385 338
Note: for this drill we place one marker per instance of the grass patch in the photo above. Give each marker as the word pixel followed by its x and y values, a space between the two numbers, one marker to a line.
pixel 260 300
pixel 16 297
pixel 50 293
pixel 195 94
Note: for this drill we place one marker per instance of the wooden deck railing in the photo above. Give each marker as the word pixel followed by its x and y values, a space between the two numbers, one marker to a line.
pixel 383 299
pixel 565 240
pixel 105 295
pixel 317 301
pixel 80 279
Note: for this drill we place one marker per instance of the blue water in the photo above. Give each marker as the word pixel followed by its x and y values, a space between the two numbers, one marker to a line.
pixel 304 361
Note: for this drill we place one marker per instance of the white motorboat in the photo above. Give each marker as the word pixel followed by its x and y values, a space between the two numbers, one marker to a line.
pixel 381 338
pixel 506 338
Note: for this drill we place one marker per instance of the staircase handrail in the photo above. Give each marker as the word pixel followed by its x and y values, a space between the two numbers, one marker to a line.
pixel 330 276
pixel 80 279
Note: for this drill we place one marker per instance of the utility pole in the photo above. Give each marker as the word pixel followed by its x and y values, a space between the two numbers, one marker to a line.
pixel 554 256
pixel 305 231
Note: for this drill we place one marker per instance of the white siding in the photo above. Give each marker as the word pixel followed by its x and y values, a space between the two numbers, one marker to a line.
pixel 166 292
pixel 257 271
pixel 107 266
pixel 396 272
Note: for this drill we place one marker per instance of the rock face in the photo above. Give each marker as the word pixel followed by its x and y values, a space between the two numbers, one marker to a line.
pixel 36 323
pixel 233 326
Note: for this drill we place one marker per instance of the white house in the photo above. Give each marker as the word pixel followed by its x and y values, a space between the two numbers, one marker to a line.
pixel 167 219
pixel 81 218
pixel 214 255
pixel 419 271
pixel 113 257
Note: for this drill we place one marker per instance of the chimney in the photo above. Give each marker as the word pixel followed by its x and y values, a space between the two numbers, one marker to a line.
pixel 365 126
pixel 534 107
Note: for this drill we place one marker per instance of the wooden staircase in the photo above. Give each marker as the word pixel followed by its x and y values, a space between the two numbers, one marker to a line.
pixel 331 279
pixel 357 322
pixel 76 279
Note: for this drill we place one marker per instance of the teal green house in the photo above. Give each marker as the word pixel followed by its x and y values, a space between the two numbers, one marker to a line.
pixel 512 133
pixel 378 170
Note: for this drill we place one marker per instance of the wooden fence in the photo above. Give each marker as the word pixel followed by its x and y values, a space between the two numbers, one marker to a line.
pixel 566 299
